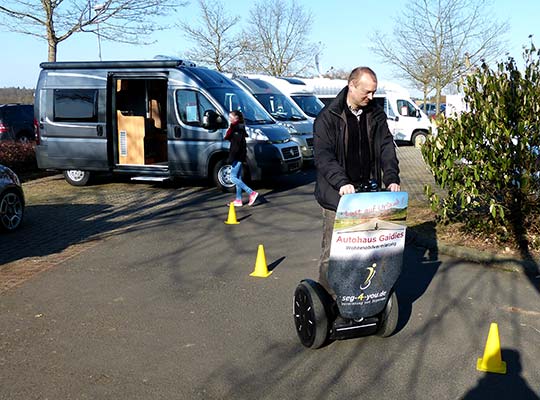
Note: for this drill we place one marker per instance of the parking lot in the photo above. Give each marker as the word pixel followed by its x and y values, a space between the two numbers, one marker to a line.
pixel 144 292
pixel 62 220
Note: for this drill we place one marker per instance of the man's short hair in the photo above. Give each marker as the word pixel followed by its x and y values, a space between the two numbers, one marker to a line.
pixel 359 71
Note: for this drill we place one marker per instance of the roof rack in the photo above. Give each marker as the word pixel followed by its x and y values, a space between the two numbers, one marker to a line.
pixel 159 63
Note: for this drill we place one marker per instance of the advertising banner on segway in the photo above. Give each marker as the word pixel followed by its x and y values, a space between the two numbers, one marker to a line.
pixel 366 255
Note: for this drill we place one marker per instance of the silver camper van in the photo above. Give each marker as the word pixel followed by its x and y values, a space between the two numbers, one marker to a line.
pixel 155 119
pixel 284 110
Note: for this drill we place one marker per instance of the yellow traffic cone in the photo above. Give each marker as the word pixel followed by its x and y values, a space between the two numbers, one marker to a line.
pixel 231 219
pixel 261 269
pixel 492 361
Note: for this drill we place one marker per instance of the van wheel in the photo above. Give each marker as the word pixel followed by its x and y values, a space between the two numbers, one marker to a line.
pixel 23 138
pixel 76 177
pixel 418 139
pixel 222 176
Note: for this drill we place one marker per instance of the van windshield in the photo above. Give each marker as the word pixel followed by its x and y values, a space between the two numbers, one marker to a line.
pixel 311 105
pixel 237 99
pixel 280 107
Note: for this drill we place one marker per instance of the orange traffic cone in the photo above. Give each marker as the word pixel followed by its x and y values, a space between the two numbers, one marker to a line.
pixel 261 269
pixel 492 361
pixel 231 219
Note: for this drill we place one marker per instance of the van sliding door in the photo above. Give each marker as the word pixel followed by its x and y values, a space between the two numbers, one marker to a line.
pixel 72 122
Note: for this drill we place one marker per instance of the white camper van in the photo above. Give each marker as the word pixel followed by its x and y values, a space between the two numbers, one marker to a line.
pixel 405 119
pixel 298 91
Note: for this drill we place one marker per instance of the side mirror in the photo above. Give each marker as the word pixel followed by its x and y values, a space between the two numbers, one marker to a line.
pixel 417 113
pixel 210 120
pixel 222 122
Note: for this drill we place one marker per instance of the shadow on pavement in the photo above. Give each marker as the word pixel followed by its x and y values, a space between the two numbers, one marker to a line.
pixel 508 386
pixel 284 183
pixel 50 228
pixel 419 267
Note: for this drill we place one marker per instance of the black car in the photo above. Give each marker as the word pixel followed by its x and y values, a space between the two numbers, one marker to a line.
pixel 11 200
pixel 17 122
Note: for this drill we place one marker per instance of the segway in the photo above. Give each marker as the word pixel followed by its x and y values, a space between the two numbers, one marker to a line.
pixel 366 257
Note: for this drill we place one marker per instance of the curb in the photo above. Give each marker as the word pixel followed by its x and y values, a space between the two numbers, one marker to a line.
pixel 505 263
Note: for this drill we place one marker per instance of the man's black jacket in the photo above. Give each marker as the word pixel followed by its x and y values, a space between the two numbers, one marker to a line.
pixel 330 147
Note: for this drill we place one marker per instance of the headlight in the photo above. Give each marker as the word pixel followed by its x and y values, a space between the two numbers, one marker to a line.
pixel 257 134
pixel 13 176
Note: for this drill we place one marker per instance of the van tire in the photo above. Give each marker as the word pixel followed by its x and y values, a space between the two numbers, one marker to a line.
pixel 418 139
pixel 76 177
pixel 221 176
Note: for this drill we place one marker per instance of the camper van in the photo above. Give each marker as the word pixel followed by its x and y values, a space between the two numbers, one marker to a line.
pixel 284 110
pixel 405 119
pixel 298 91
pixel 155 119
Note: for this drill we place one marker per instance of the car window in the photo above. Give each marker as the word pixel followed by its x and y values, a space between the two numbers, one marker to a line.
pixel 280 107
pixel 385 105
pixel 191 106
pixel 406 109
pixel 311 105
pixel 237 99
pixel 75 105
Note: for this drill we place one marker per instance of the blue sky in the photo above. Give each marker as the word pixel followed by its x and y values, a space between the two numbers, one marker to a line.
pixel 343 27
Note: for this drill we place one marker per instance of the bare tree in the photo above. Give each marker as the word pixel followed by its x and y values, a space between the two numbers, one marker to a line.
pixel 216 44
pixel 278 39
pixel 436 42
pixel 337 73
pixel 126 21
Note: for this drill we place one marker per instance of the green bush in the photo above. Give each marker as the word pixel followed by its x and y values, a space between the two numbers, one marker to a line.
pixel 18 156
pixel 487 159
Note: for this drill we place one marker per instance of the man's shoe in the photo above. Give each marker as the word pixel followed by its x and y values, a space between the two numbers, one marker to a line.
pixel 252 198
pixel 237 203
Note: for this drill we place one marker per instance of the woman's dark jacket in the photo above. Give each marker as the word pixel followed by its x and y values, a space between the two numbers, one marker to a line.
pixel 330 147
pixel 236 134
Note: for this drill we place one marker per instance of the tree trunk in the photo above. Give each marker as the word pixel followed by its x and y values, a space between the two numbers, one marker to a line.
pixel 52 51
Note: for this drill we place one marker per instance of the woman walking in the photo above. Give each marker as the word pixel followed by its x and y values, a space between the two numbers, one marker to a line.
pixel 236 134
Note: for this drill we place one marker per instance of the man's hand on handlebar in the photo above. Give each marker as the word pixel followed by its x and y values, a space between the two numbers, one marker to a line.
pixel 346 189
pixel 350 189
pixel 393 187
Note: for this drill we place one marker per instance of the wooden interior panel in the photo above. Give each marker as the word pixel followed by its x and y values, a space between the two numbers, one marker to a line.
pixel 130 129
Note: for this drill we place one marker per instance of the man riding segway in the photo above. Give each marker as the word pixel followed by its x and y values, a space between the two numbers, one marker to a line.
pixel 353 149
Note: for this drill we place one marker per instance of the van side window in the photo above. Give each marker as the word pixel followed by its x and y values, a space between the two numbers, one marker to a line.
pixel 406 108
pixel 383 103
pixel 75 105
pixel 191 106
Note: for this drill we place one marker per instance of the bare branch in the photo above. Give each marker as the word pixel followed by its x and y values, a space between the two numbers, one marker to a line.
pixel 127 21
pixel 277 34
pixel 215 42
pixel 433 39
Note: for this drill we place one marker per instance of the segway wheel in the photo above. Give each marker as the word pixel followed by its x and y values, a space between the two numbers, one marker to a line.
pixel 389 317
pixel 310 315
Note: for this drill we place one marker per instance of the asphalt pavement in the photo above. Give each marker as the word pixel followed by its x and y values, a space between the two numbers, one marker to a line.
pixel 140 291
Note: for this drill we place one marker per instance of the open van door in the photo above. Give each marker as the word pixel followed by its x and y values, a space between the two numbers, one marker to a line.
pixel 140 133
